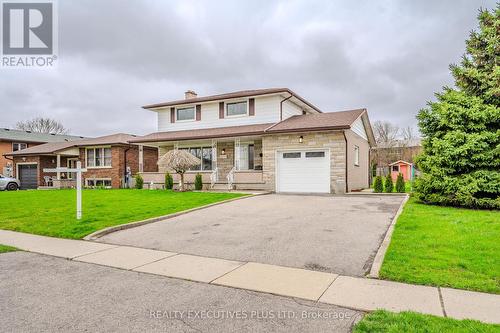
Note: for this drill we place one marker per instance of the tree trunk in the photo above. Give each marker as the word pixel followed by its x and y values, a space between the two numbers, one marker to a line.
pixel 181 183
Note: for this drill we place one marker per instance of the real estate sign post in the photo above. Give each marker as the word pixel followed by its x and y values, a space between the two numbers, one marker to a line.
pixel 78 170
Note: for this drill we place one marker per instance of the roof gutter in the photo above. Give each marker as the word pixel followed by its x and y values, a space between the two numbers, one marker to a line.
pixel 281 105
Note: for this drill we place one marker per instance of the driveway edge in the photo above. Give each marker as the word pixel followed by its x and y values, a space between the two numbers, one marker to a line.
pixel 99 233
pixel 379 257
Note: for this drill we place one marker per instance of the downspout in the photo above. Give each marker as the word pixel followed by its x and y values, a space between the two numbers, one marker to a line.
pixel 125 165
pixel 281 106
pixel 346 164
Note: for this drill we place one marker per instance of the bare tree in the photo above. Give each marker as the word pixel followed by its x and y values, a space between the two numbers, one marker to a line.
pixel 179 161
pixel 42 125
pixel 386 134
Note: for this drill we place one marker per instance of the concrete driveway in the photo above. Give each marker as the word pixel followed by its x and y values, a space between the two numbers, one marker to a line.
pixel 324 233
pixel 46 294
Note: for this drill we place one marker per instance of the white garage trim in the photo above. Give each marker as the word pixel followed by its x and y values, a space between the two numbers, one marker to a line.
pixel 303 150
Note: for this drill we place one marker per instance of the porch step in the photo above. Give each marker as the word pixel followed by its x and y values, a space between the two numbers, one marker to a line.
pixel 220 187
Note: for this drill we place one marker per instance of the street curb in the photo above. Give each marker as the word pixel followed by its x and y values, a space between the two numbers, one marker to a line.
pixel 379 257
pixel 99 233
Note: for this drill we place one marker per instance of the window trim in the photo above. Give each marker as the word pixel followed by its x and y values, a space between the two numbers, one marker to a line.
pixel 95 166
pixel 19 143
pixel 395 165
pixel 356 155
pixel 246 114
pixel 183 108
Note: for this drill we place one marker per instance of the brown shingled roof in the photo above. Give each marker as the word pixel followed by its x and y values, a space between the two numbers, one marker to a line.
pixel 205 133
pixel 327 120
pixel 320 121
pixel 236 94
pixel 53 147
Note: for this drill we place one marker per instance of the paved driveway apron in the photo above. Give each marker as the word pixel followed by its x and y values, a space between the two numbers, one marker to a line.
pixel 323 233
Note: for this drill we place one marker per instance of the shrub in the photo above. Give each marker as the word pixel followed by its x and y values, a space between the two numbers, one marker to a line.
pixel 169 181
pixel 389 186
pixel 400 183
pixel 139 182
pixel 198 182
pixel 378 185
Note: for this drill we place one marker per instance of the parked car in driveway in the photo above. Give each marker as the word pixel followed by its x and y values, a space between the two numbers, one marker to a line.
pixel 9 183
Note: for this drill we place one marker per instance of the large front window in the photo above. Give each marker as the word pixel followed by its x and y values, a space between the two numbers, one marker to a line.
pixel 98 157
pixel 185 114
pixel 236 109
pixel 205 156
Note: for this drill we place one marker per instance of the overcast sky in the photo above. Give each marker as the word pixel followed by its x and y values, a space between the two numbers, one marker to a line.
pixel 115 56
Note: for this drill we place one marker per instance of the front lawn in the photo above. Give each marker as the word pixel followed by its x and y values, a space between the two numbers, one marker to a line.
pixel 52 213
pixel 387 322
pixel 5 248
pixel 445 246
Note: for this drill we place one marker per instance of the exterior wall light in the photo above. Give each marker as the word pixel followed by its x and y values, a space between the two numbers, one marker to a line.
pixel 223 151
pixel 301 139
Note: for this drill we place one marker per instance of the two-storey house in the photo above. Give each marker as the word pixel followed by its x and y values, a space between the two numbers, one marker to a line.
pixel 268 139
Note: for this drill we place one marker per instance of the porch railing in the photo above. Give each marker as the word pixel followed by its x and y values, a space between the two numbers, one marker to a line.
pixel 214 177
pixel 230 179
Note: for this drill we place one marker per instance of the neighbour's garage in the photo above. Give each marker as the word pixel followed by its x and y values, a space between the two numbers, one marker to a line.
pixel 27 175
pixel 306 171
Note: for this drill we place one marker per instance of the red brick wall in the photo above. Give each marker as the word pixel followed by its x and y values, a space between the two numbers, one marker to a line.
pixel 6 147
pixel 43 162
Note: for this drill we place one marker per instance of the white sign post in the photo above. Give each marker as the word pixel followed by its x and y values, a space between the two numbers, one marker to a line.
pixel 78 170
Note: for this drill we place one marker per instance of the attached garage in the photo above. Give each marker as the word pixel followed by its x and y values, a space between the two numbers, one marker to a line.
pixel 28 176
pixel 303 171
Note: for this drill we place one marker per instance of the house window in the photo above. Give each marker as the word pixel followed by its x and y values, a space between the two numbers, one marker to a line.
pixel 205 156
pixel 236 109
pixel 356 155
pixel 104 182
pixel 395 168
pixel 19 146
pixel 185 114
pixel 71 163
pixel 98 157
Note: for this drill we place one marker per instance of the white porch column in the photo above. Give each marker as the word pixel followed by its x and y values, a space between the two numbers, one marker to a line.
pixel 237 153
pixel 58 165
pixel 141 158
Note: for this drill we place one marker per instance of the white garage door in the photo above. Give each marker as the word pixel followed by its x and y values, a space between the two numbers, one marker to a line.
pixel 306 171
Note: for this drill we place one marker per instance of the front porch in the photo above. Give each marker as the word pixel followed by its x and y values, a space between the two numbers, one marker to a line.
pixel 226 164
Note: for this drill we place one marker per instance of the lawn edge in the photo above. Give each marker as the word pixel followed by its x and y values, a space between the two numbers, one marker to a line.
pixel 99 233
pixel 382 250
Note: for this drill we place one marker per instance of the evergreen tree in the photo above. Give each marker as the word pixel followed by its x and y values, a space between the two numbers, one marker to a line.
pixel 461 130
pixel 389 185
pixel 378 185
pixel 400 183
pixel 169 181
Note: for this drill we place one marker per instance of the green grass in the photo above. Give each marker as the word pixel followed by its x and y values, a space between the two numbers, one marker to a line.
pixel 410 322
pixel 52 213
pixel 445 246
pixel 5 248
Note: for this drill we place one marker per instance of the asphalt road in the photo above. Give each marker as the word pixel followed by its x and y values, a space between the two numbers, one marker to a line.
pixel 46 294
pixel 337 234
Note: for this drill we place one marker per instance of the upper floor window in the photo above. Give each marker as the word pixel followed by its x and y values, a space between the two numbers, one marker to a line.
pixel 356 155
pixel 185 114
pixel 236 109
pixel 19 146
pixel 98 157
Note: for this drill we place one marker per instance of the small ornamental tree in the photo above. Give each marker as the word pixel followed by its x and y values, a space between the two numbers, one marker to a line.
pixel 461 130
pixel 198 182
pixel 139 182
pixel 169 181
pixel 179 161
pixel 388 186
pixel 378 185
pixel 400 183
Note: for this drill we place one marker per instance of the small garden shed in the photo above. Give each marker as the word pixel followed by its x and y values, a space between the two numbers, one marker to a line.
pixel 406 168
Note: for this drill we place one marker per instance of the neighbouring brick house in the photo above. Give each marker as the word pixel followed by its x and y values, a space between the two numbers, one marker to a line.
pixel 14 140
pixel 269 139
pixel 109 161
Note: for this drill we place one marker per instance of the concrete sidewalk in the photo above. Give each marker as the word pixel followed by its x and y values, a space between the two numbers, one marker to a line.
pixel 351 292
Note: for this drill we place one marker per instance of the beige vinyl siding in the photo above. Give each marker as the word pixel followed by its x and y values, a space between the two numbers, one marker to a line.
pixel 357 174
